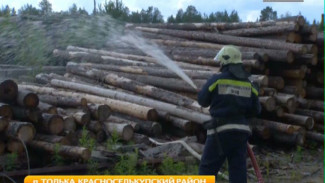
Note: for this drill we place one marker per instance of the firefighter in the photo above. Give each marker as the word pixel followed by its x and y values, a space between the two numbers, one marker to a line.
pixel 233 99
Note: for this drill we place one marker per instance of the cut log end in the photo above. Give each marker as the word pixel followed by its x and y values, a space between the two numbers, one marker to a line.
pixel 310 123
pixel 5 110
pixel 152 115
pixel 8 90
pixel 127 133
pixel 26 133
pixel 104 111
pixel 156 129
pixel 56 126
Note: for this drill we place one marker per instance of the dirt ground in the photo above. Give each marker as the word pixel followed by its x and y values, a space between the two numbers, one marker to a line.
pixel 288 165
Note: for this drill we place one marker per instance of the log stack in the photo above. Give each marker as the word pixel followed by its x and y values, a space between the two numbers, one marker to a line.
pixel 126 93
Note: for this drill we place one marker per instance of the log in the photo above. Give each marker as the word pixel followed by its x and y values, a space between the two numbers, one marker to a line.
pixel 53 139
pixel 261 131
pixel 52 124
pixel 293 74
pixel 269 91
pixel 307 59
pixel 124 131
pixel 140 138
pixel 300 20
pixel 318 116
pixel 42 78
pixel 8 90
pixel 299 120
pixel 80 117
pixel 275 82
pixel 260 79
pixel 272 54
pixel 99 112
pixel 286 100
pixel 251 32
pixel 171 84
pixel 210 53
pixel 47 108
pixel 172 109
pixel 296 82
pixel 184 124
pixel 268 103
pixel 214 26
pixel 60 101
pixel 226 39
pixel 314 92
pixel 139 111
pixel 15 146
pixel 118 118
pixel 6 111
pixel 150 128
pixel 140 88
pixel 319 127
pixel 4 122
pixel 290 139
pixel 21 130
pixel 278 111
pixel 69 124
pixel 316 104
pixel 161 72
pixel 64 150
pixel 275 126
pixel 22 114
pixel 26 98
pixel 94 126
pixel 294 91
pixel 315 136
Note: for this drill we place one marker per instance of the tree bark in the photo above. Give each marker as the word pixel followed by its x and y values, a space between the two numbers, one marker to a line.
pixel 21 130
pixel 184 124
pixel 262 80
pixel 133 85
pixel 64 150
pixel 291 139
pixel 261 131
pixel 124 131
pixel 214 26
pixel 269 91
pixel 287 101
pixel 172 109
pixel 139 111
pixel 275 82
pixel 315 136
pixel 226 39
pixel 299 120
pixel 22 114
pixel 52 124
pixel 117 119
pixel 268 103
pixel 47 108
pixel 53 139
pixel 251 32
pixel 8 90
pixel 60 101
pixel 318 116
pixel 27 99
pixel 99 112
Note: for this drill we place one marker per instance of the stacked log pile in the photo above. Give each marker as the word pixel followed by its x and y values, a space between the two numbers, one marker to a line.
pixel 126 93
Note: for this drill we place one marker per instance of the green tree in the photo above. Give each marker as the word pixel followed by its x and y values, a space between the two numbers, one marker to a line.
pixel 116 9
pixel 135 17
pixel 268 14
pixel 73 10
pixel 171 19
pixel 28 10
pixel 46 7
pixel 5 11
pixel 179 16
pixel 192 15
pixel 13 12
pixel 233 17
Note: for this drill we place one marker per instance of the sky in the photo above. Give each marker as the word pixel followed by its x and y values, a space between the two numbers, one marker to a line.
pixel 248 10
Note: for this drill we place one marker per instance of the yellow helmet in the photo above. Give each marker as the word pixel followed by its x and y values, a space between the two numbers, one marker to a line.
pixel 228 55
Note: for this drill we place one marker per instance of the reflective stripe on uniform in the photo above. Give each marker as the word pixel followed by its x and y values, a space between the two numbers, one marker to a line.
pixel 228 127
pixel 235 83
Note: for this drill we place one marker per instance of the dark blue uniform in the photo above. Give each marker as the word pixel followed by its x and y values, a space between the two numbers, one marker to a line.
pixel 232 100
